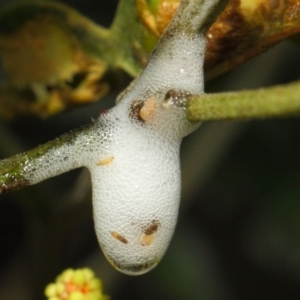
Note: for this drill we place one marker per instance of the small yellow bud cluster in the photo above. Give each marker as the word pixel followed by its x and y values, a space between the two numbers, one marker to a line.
pixel 79 284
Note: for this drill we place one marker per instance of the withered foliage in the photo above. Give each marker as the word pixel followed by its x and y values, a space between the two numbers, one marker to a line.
pixel 49 69
pixel 247 28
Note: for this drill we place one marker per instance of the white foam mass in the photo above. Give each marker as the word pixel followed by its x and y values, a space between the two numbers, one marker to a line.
pixel 139 190
pixel 132 153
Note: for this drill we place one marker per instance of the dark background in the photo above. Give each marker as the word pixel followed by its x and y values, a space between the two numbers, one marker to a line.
pixel 238 233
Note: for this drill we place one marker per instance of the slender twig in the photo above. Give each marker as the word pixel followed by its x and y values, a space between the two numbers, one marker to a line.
pixel 277 101
pixel 17 171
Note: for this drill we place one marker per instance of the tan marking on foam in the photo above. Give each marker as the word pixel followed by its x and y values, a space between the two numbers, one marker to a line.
pixel 147 112
pixel 146 240
pixel 119 237
pixel 105 161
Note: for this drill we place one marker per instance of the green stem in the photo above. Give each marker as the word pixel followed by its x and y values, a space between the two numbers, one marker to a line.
pixel 278 101
pixel 14 172
pixel 93 38
pixel 201 14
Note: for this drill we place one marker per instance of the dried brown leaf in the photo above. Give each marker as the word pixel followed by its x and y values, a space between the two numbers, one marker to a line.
pixel 42 55
pixel 61 57
pixel 247 28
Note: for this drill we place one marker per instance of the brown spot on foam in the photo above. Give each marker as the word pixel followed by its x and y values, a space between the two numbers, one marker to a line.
pixel 143 110
pixel 175 98
pixel 147 238
pixel 147 112
pixel 152 228
pixel 119 237
pixel 135 109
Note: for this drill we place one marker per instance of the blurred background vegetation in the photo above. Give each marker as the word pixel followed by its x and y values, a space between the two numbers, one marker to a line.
pixel 239 223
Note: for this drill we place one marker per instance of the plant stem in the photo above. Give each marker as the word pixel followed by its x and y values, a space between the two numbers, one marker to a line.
pixel 14 172
pixel 278 101
pixel 196 15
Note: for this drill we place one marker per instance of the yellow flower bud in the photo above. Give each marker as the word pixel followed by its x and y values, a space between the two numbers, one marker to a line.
pixel 79 284
pixel 76 296
pixel 78 277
